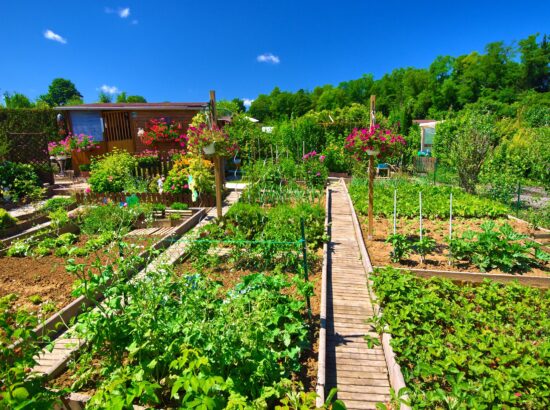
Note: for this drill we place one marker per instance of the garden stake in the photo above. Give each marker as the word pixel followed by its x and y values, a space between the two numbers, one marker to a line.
pixel 420 196
pixel 304 254
pixel 394 208
pixel 450 226
pixel 518 201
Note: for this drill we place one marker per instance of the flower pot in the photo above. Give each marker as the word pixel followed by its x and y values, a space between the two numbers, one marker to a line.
pixel 61 157
pixel 372 152
pixel 210 149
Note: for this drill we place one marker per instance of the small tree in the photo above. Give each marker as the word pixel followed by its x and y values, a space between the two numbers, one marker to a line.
pixel 60 92
pixel 104 97
pixel 17 100
pixel 471 145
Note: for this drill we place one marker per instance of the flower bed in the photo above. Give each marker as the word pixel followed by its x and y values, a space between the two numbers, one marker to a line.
pixel 482 346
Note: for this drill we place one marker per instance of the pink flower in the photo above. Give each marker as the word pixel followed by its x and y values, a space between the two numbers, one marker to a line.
pixel 517 394
pixel 88 190
pixel 186 186
pixel 172 187
pixel 322 158
pixel 318 174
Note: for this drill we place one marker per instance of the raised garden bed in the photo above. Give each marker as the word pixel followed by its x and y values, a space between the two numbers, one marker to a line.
pixel 475 346
pixel 247 321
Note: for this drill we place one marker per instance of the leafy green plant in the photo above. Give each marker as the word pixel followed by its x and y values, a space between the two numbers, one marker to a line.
pixel 424 246
pixel 6 220
pixel 19 248
pixel 467 346
pixel 402 247
pixel 20 389
pixel 501 248
pixel 19 182
pixel 179 206
pixel 53 204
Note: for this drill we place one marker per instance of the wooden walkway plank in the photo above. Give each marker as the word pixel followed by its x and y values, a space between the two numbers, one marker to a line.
pixel 360 373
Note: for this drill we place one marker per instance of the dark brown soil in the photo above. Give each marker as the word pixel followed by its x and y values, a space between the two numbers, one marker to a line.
pixel 379 250
pixel 47 277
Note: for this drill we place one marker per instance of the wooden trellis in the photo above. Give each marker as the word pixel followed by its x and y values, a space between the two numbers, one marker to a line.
pixel 31 148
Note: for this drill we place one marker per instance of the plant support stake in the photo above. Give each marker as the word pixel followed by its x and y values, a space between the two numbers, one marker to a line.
pixel 304 254
pixel 451 217
pixel 420 197
pixel 394 209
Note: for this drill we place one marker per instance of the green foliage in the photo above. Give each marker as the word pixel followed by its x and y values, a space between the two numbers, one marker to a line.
pixel 53 204
pixel 18 390
pixel 112 218
pixel 179 206
pixel 6 220
pixel 60 92
pixel 112 172
pixel 17 100
pixel 402 246
pixel 465 346
pixel 19 182
pixel 502 249
pixel 26 120
pixel 143 349
pixel 435 200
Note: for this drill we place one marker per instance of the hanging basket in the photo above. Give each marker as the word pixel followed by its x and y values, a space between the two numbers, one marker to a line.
pixel 210 149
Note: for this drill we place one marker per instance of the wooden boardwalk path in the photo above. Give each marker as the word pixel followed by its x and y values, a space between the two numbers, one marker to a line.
pixel 359 373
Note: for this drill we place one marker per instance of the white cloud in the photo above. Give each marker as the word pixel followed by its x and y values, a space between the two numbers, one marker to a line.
pixel 122 12
pixel 268 58
pixel 50 35
pixel 109 89
pixel 247 102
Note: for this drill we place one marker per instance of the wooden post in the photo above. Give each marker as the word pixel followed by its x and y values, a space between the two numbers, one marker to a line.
pixel 371 174
pixel 217 159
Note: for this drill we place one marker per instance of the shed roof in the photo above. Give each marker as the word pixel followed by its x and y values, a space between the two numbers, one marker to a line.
pixel 134 106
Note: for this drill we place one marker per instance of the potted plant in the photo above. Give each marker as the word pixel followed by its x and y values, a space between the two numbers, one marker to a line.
pixel 374 141
pixel 148 158
pixel 84 170
pixel 203 139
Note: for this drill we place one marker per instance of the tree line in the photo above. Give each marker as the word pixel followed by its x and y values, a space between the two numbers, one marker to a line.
pixel 497 76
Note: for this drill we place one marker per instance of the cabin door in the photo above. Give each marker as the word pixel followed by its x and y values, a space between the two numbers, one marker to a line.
pixel 117 131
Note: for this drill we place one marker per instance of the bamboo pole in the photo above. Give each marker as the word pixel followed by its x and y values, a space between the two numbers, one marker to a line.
pixel 217 159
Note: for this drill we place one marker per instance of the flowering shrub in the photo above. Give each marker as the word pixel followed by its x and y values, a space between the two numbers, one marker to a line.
pixel 161 130
pixel 383 141
pixel 148 158
pixel 18 182
pixel 200 169
pixel 200 136
pixel 61 148
pixel 314 170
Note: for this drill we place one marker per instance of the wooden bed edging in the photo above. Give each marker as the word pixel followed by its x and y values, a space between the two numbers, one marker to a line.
pixel 77 306
pixel 542 282
pixel 322 354
pixel 397 381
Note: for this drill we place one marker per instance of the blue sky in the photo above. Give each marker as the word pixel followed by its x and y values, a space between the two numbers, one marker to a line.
pixel 179 50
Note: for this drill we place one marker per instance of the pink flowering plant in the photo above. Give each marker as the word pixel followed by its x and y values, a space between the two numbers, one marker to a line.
pixel 201 136
pixel 60 148
pixel 383 141
pixel 314 170
pixel 79 143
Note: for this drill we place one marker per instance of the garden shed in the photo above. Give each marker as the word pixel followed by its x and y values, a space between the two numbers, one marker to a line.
pixel 427 133
pixel 115 125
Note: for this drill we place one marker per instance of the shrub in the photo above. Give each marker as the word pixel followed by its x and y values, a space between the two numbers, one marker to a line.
pixel 111 218
pixel 84 167
pixel 19 181
pixel 6 220
pixel 179 206
pixel 112 172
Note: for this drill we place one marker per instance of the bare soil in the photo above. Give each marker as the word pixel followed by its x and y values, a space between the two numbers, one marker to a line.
pixel 47 277
pixel 379 250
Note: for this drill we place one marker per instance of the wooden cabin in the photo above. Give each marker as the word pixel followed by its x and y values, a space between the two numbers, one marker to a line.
pixel 116 125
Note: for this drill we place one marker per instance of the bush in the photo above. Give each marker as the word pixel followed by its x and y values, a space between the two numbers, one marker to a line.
pixel 6 220
pixel 112 172
pixel 19 182
pixel 84 167
pixel 111 218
